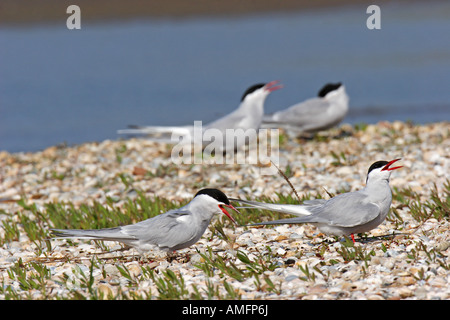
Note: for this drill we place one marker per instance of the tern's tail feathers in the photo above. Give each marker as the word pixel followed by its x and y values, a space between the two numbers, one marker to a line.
pixel 298 210
pixel 156 130
pixel 284 221
pixel 109 234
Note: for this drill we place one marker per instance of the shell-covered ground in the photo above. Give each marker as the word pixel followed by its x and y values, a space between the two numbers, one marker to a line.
pixel 105 184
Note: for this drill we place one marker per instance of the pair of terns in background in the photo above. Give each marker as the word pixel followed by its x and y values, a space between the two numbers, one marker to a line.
pixel 343 215
pixel 315 114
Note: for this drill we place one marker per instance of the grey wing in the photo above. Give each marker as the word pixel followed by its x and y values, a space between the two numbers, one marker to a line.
pixel 345 210
pixel 300 114
pixel 229 121
pixel 165 230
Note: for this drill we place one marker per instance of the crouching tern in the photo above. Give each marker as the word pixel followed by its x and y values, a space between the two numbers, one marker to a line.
pixel 345 214
pixel 174 230
pixel 325 111
pixel 247 116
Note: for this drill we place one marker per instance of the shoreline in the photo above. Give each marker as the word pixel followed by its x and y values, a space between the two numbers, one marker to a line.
pixel 64 145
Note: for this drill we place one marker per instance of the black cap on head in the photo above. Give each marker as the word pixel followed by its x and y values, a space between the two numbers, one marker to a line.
pixel 376 165
pixel 214 193
pixel 252 89
pixel 328 88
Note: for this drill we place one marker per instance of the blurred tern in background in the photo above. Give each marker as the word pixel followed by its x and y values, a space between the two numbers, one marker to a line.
pixel 325 111
pixel 248 115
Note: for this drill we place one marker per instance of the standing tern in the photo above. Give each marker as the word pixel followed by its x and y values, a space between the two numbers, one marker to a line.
pixel 347 213
pixel 248 115
pixel 325 111
pixel 174 230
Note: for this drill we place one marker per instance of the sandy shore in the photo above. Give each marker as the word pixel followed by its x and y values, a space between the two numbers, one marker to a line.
pixel 412 265
pixel 31 11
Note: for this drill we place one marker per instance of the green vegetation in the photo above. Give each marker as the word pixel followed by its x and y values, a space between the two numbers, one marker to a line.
pixel 35 278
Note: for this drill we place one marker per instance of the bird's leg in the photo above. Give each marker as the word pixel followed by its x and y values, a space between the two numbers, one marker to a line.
pixel 180 257
pixel 134 255
pixel 353 238
pixel 171 255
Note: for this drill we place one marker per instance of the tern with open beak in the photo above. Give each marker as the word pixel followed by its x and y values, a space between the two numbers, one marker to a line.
pixel 345 214
pixel 174 230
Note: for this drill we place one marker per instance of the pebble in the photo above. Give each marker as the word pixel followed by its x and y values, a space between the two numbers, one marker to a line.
pixel 106 290
pixel 89 172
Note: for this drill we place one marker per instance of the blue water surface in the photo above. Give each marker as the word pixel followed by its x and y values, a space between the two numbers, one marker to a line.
pixel 73 86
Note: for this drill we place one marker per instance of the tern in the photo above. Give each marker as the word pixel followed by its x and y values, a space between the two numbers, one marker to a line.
pixel 345 214
pixel 247 116
pixel 174 230
pixel 325 111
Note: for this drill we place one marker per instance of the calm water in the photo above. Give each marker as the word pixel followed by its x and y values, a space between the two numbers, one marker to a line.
pixel 59 85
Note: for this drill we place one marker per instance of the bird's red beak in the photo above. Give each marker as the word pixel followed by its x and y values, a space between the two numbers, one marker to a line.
pixel 273 85
pixel 387 167
pixel 226 212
